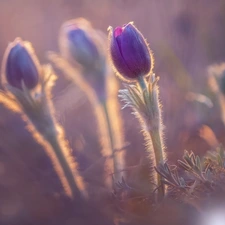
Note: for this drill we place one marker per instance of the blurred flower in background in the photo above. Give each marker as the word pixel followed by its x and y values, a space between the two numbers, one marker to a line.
pixel 83 46
pixel 21 65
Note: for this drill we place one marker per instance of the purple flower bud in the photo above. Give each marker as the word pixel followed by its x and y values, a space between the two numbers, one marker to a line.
pixel 20 65
pixel 130 53
pixel 82 48
pixel 79 43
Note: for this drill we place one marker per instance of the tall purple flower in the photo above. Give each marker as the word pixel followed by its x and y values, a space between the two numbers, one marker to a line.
pixel 20 65
pixel 130 53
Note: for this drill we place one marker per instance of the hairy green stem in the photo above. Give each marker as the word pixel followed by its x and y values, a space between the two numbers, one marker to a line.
pixel 53 140
pixel 153 124
pixel 110 134
pixel 158 151
pixel 46 126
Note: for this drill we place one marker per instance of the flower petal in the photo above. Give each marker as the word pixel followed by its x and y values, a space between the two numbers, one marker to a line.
pixel 135 51
pixel 116 55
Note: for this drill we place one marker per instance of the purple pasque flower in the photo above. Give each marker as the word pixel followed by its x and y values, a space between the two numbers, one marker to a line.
pixel 20 65
pixel 129 51
pixel 82 47
pixel 79 43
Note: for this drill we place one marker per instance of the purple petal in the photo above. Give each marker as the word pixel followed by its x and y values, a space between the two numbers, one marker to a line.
pixel 116 55
pixel 20 66
pixel 118 31
pixel 135 51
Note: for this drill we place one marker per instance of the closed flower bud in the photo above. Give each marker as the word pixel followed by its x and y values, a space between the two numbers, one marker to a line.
pixel 80 42
pixel 20 64
pixel 130 53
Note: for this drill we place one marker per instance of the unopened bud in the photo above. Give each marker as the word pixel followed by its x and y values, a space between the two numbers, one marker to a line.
pixel 79 43
pixel 20 64
pixel 130 53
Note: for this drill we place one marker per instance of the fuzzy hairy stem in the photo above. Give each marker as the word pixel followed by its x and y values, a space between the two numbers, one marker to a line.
pixel 154 124
pixel 107 150
pixel 104 106
pixel 116 122
pixel 110 134
pixel 100 109
pixel 48 129
pixel 157 146
pixel 40 116
pixel 45 131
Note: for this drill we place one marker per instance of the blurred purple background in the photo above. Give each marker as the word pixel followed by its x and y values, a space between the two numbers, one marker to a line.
pixel 186 36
